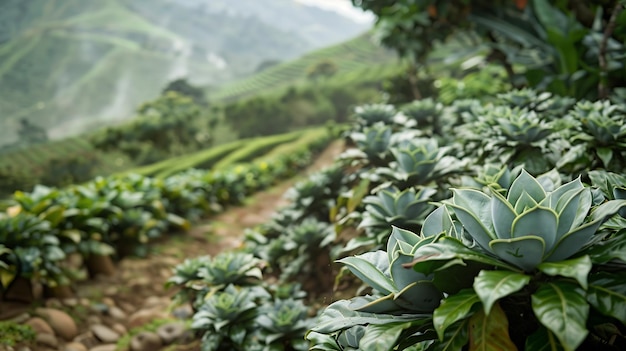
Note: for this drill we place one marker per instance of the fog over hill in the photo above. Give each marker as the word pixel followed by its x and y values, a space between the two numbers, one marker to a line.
pixel 74 65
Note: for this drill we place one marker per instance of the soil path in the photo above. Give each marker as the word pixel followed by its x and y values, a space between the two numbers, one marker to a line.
pixel 138 284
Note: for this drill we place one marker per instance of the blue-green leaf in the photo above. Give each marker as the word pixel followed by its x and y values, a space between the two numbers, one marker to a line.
pixel 561 307
pixel 525 252
pixel 490 286
pixel 369 273
pixel 503 215
pixel 525 183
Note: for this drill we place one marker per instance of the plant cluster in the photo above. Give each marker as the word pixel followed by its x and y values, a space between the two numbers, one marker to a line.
pixel 517 253
pixel 235 309
pixel 121 215
pixel 503 259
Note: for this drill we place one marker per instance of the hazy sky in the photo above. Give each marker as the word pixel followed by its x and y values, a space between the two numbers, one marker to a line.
pixel 344 7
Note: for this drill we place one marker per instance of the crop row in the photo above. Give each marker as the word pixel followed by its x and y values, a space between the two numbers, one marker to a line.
pixel 120 215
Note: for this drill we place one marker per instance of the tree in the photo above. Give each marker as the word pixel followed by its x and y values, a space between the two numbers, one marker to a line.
pixel 570 47
pixel 322 69
pixel 183 87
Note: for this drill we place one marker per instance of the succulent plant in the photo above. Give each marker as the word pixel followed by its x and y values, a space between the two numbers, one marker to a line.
pixel 418 162
pixel 396 288
pixel 368 115
pixel 530 225
pixel 391 207
pixel 283 322
pixel 227 318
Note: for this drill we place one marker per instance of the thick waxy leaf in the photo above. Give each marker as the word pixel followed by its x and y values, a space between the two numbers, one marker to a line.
pixel 541 222
pixel 525 183
pixel 542 340
pixel 403 276
pixel 452 309
pixel 577 268
pixel 503 215
pixel 339 316
pixel 561 307
pixel 525 252
pixel 477 205
pixel 573 241
pixel 381 337
pixel 474 226
pixel 607 293
pixel 438 221
pixel 490 286
pixel 490 332
pixel 607 209
pixel 369 273
pixel 429 258
pixel 606 251
pixel 567 209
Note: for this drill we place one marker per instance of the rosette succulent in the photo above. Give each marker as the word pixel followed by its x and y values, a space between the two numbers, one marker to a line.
pixel 530 225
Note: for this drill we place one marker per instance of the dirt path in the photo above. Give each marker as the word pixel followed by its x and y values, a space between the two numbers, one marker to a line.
pixel 138 284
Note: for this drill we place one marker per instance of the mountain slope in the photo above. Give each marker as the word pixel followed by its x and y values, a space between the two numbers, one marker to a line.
pixel 71 65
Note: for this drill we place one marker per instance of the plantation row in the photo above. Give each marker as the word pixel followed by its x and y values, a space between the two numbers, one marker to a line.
pixel 120 215
pixel 482 225
pixel 358 54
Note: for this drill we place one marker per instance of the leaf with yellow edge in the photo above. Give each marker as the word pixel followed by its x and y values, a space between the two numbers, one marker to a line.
pixel 490 332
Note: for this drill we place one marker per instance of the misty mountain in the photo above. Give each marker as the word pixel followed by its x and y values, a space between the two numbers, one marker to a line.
pixel 73 65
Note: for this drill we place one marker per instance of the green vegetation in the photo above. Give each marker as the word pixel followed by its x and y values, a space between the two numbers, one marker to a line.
pixel 12 334
pixel 359 58
pixel 71 66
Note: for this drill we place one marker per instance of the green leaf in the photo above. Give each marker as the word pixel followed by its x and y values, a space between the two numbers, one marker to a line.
pixel 454 338
pixel 606 251
pixel 542 340
pixel 607 293
pixel 561 307
pixel 490 286
pixel 452 309
pixel 605 154
pixel 381 337
pixel 577 268
pixel 490 332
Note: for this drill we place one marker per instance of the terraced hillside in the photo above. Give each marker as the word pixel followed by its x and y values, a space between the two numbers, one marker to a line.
pixel 72 65
pixel 359 58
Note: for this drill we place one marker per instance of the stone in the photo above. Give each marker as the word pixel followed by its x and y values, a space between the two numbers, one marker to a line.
pixel 107 347
pixel 117 313
pixel 145 341
pixel 143 317
pixel 62 324
pixel 104 333
pixel 108 301
pixel 152 301
pixel 86 339
pixel 183 312
pixel 70 301
pixel 53 302
pixel 171 332
pixel 47 340
pixel 99 308
pixel 119 328
pixel 91 320
pixel 75 346
pixel 40 326
pixel 128 308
